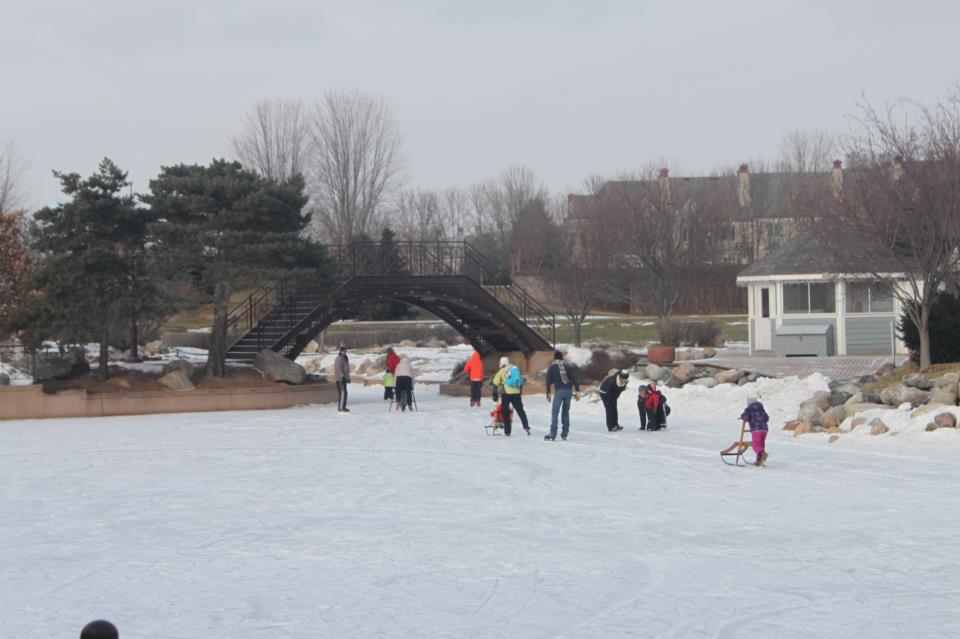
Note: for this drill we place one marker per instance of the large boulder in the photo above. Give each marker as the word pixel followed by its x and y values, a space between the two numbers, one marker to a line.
pixel 810 413
pixel 802 429
pixel 685 356
pixel 900 394
pixel 683 373
pixel 73 364
pixel 834 417
pixel 657 373
pixel 176 381
pixel 706 382
pixel 849 388
pixel 918 380
pixel 731 376
pixel 193 373
pixel 278 368
pixel 945 420
pixel 313 346
pixel 709 352
pixel 822 400
pixel 947 379
pixel 877 427
pixel 946 394
pixel 885 370
pixel 839 398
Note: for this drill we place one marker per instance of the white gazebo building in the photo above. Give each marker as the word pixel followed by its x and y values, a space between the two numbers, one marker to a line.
pixel 800 302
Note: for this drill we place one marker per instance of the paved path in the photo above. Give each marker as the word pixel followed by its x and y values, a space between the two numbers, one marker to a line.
pixel 832 367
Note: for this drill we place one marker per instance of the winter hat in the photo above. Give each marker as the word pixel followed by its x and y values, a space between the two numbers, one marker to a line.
pixel 504 361
pixel 624 374
pixel 99 629
pixel 343 349
pixel 557 355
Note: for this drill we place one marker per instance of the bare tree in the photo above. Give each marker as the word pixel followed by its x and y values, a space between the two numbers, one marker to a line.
pixel 576 280
pixel 660 231
pixel 275 139
pixel 899 217
pixel 356 163
pixel 13 172
pixel 806 151
pixel 418 216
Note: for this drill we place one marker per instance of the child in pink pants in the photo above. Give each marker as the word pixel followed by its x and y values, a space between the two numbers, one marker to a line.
pixel 755 415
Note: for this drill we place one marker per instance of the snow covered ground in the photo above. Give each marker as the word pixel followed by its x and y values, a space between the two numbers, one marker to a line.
pixel 303 523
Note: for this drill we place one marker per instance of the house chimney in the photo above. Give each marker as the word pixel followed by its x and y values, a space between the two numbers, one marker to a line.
pixel 837 179
pixel 743 185
pixel 665 186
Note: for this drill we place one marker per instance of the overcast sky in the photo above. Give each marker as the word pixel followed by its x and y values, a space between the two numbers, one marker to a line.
pixel 569 89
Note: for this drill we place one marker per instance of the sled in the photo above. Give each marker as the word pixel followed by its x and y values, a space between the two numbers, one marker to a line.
pixel 495 427
pixel 741 451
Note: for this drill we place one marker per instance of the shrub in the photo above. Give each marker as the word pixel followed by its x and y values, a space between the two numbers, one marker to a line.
pixel 689 332
pixel 944 336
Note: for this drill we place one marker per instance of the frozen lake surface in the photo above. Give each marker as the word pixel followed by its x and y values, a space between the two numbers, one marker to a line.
pixel 303 523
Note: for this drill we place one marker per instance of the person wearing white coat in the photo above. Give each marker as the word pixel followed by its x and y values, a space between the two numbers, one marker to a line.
pixel 404 375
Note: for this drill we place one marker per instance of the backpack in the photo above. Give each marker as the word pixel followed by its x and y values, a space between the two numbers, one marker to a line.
pixel 514 378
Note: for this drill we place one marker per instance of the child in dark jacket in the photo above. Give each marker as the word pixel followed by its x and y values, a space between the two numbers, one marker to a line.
pixel 755 415
pixel 653 409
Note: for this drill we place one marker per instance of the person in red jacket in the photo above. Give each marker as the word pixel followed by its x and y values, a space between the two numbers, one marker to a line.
pixel 474 370
pixel 392 360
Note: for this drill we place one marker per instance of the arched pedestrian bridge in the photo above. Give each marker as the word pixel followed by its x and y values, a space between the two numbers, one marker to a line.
pixel 451 280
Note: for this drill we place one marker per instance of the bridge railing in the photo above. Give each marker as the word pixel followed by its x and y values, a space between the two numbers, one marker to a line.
pixel 430 258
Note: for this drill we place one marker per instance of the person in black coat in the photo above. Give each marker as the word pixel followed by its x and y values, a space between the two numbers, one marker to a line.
pixel 610 390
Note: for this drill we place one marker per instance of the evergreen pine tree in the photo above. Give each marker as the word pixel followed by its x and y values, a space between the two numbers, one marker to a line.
pixel 225 228
pixel 90 281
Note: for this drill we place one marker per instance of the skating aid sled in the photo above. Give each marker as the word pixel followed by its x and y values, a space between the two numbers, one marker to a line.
pixel 741 451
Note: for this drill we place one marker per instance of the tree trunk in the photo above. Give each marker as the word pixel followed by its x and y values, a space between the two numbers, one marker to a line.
pixel 577 330
pixel 103 370
pixel 924 332
pixel 134 337
pixel 216 358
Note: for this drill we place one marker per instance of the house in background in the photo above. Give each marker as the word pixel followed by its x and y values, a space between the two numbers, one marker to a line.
pixel 802 302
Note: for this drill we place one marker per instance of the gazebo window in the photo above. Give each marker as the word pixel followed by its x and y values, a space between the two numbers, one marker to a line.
pixel 809 298
pixel 869 297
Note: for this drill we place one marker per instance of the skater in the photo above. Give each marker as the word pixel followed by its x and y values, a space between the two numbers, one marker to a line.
pixel 755 415
pixel 508 384
pixel 610 391
pixel 474 370
pixel 389 383
pixel 404 383
pixel 566 384
pixel 392 360
pixel 653 408
pixel 341 373
pixel 99 629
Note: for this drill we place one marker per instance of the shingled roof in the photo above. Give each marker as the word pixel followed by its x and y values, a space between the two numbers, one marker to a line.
pixel 809 254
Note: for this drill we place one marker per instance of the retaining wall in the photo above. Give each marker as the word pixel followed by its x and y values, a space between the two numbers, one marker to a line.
pixel 30 402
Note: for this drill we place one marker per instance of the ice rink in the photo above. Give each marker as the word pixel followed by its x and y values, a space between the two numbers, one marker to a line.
pixel 304 523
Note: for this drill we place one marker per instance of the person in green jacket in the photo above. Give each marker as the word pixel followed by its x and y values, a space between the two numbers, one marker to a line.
pixel 389 383
pixel 509 396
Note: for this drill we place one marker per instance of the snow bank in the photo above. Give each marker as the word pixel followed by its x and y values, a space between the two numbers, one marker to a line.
pixel 780 396
pixel 903 425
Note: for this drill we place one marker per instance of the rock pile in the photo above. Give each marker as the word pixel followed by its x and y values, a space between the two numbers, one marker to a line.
pixel 688 373
pixel 827 411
